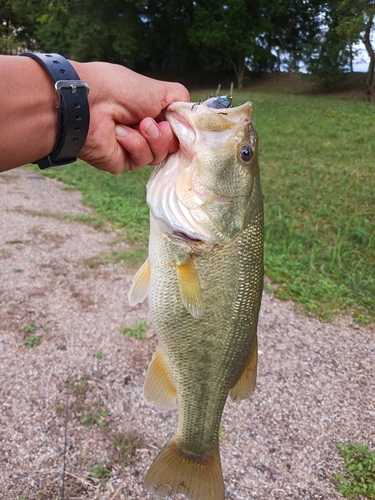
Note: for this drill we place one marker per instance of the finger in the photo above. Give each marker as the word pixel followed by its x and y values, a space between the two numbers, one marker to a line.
pixel 136 145
pixel 173 142
pixel 173 92
pixel 158 138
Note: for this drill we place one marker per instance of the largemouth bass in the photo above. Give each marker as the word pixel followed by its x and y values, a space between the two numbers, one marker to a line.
pixel 204 279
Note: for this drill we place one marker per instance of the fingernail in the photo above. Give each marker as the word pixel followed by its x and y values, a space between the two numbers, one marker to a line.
pixel 120 131
pixel 151 129
pixel 169 132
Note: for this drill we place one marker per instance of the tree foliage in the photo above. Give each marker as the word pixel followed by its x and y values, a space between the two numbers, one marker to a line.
pixel 191 35
pixel 230 28
pixel 17 27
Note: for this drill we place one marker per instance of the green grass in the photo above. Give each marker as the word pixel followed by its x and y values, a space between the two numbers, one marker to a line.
pixel 94 220
pixel 95 418
pixel 31 340
pixel 318 176
pixel 129 257
pixel 100 471
pixel 125 445
pixel 120 199
pixel 138 330
pixel 359 477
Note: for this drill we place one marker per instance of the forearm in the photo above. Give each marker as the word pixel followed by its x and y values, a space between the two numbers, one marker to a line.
pixel 123 106
pixel 28 115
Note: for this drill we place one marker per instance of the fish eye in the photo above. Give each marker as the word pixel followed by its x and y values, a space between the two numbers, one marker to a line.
pixel 246 153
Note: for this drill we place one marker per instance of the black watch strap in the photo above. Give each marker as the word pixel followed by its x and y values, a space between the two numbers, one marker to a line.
pixel 73 109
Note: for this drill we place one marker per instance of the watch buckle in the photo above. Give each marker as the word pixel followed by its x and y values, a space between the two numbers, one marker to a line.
pixel 69 84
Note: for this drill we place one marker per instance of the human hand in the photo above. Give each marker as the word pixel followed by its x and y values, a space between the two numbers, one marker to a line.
pixel 127 130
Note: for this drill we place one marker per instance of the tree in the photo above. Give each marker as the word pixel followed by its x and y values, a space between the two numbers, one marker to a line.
pixel 17 27
pixel 356 21
pixel 290 27
pixel 90 29
pixel 371 52
pixel 164 38
pixel 230 28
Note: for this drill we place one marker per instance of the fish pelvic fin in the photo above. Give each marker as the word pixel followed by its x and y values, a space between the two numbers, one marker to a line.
pixel 246 383
pixel 159 390
pixel 175 471
pixel 141 284
pixel 190 287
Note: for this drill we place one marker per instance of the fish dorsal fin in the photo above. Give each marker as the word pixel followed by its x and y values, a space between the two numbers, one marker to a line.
pixel 190 287
pixel 159 390
pixel 246 383
pixel 141 284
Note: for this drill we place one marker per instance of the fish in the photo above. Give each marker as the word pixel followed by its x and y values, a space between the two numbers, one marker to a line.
pixel 204 279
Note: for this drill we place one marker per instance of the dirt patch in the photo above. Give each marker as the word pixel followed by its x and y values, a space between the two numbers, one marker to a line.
pixel 73 421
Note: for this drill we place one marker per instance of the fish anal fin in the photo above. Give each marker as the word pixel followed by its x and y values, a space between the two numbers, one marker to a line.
pixel 246 383
pixel 140 285
pixel 189 287
pixel 175 471
pixel 159 390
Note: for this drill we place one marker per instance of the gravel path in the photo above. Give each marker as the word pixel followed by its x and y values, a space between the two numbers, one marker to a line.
pixel 74 402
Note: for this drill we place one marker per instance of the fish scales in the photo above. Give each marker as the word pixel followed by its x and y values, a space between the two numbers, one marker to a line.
pixel 226 330
pixel 204 280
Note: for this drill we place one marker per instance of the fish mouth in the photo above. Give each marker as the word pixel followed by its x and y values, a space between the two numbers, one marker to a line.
pixel 235 113
pixel 177 195
pixel 199 116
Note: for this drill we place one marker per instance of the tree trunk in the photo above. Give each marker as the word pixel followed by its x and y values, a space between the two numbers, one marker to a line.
pixel 370 80
pixel 350 54
pixel 241 74
pixel 239 69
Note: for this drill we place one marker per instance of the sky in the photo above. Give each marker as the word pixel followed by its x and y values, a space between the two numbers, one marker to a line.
pixel 362 59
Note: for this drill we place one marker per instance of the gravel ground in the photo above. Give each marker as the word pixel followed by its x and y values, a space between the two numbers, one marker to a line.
pixel 315 386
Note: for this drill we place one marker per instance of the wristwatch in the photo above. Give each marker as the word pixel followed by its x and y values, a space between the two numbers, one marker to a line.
pixel 73 109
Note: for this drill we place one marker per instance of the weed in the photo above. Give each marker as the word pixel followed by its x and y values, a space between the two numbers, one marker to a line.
pixel 32 340
pixel 31 328
pixel 99 354
pixel 100 471
pixel 138 330
pixel 18 270
pixel 125 444
pixel 96 418
pixel 79 390
pixel 359 464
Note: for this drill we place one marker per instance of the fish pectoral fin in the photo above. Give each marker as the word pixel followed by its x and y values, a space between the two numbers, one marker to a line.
pixel 190 287
pixel 140 285
pixel 159 389
pixel 176 471
pixel 246 383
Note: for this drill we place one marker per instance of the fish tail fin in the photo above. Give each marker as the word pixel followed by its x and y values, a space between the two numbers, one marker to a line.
pixel 176 471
